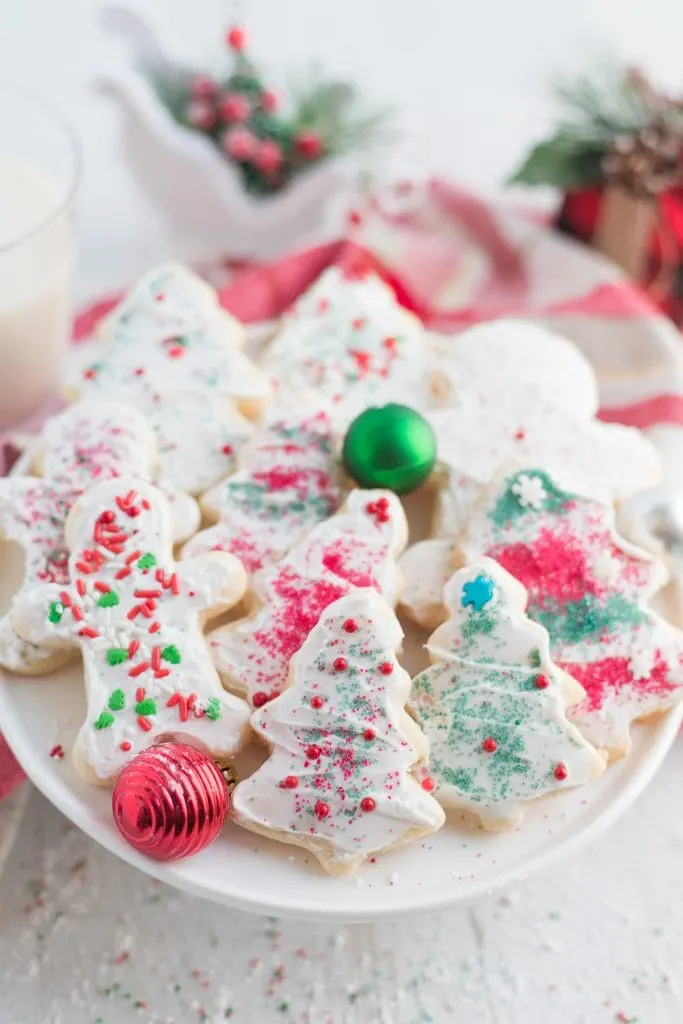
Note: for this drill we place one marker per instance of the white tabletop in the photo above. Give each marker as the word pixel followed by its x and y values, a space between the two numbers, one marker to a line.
pixel 86 939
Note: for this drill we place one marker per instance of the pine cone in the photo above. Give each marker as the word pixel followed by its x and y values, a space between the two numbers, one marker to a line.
pixel 646 163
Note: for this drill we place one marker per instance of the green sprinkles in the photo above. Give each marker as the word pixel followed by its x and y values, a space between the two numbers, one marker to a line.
pixel 117 655
pixel 148 706
pixel 172 654
pixel 148 561
pixel 213 709
pixel 117 700
pixel 108 600
pixel 104 721
pixel 55 612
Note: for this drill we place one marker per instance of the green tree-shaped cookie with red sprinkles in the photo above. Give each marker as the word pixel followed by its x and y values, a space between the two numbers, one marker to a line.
pixel 137 618
pixel 591 590
pixel 339 778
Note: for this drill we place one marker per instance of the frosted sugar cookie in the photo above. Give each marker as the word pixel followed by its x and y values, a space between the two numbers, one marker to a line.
pixel 137 618
pixel 356 548
pixel 493 705
pixel 338 780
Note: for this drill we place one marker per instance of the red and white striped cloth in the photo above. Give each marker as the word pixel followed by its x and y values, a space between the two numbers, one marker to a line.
pixel 455 261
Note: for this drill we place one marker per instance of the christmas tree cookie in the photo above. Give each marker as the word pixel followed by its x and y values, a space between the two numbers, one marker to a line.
pixel 287 484
pixel 87 443
pixel 493 704
pixel 356 548
pixel 349 340
pixel 137 619
pixel 338 780
pixel 166 341
pixel 591 590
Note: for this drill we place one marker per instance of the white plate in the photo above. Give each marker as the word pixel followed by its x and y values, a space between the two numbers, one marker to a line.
pixel 251 873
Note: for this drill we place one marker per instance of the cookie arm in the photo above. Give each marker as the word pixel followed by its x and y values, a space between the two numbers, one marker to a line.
pixel 39 616
pixel 214 581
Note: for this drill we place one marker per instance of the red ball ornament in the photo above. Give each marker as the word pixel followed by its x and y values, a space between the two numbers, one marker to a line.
pixel 268 157
pixel 235 107
pixel 170 801
pixel 236 38
pixel 203 87
pixel 200 115
pixel 239 143
pixel 309 145
pixel 269 101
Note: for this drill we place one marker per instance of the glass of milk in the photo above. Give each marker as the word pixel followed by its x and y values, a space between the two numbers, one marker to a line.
pixel 39 177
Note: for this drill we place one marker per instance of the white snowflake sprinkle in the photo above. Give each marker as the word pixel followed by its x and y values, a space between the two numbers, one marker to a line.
pixel 530 492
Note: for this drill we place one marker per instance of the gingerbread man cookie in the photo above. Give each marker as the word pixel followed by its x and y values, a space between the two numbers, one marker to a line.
pixel 591 590
pixel 338 780
pixel 166 341
pixel 356 548
pixel 348 339
pixel 287 484
pixel 137 618
pixel 87 443
pixel 493 705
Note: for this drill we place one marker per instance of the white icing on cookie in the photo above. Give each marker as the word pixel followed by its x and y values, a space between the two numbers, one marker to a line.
pixel 499 358
pixel 349 340
pixel 89 442
pixel 426 567
pixel 287 484
pixel 166 339
pixel 356 548
pixel 493 704
pixel 602 631
pixel 338 778
pixel 136 617
pixel 600 460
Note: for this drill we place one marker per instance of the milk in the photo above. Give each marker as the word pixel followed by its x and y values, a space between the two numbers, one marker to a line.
pixel 37 255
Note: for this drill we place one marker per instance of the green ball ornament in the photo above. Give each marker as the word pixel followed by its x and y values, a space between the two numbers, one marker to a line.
pixel 391 446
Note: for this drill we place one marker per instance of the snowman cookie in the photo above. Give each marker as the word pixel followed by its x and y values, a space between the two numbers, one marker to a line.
pixel 287 483
pixel 493 705
pixel 348 339
pixel 137 618
pixel 166 341
pixel 87 443
pixel 339 779
pixel 356 548
pixel 591 590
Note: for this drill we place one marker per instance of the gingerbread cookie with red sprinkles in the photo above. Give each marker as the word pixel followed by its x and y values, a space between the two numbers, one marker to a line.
pixel 287 483
pixel 339 781
pixel 493 704
pixel 357 548
pixel 170 350
pixel 591 590
pixel 137 618
pixel 348 339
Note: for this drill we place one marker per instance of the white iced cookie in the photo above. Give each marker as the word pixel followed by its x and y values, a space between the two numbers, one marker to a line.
pixel 89 442
pixel 425 568
pixel 591 590
pixel 287 483
pixel 137 618
pixel 493 705
pixel 356 548
pixel 349 340
pixel 338 780
pixel 496 359
pixel 607 462
pixel 168 338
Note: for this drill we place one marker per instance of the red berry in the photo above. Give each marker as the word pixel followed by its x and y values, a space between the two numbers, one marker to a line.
pixel 428 784
pixel 313 752
pixel 259 699
pixel 542 682
pixel 237 38
pixel 386 668
pixel 383 503
pixel 321 809
pixel 369 734
pixel 176 351
pixel 350 626
pixel 367 804
pixel 235 107
pixel 489 745
pixel 125 746
pixel 200 114
pixel 309 145
pixel 203 87
pixel 561 772
pixel 339 664
pixel 227 449
pixel 371 508
pixel 289 782
pixel 268 157
pixel 520 435
pixel 317 702
pixel 268 101
pixel 90 374
pixel 239 143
